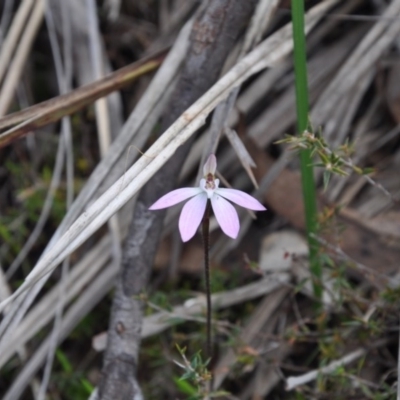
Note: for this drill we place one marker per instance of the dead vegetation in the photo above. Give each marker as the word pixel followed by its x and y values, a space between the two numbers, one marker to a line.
pixel 72 163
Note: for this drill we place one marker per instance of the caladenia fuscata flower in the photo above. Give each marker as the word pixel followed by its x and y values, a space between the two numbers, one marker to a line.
pixel 193 211
pixel 197 210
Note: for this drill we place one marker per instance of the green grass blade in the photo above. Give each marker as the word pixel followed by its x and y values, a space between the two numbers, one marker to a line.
pixel 302 105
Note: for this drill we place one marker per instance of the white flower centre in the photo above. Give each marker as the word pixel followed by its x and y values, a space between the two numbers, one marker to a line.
pixel 209 184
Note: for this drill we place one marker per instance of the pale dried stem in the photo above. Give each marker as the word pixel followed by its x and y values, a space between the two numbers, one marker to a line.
pixel 14 73
pixel 153 324
pixel 63 67
pixel 157 323
pixel 101 109
pixel 137 122
pixel 295 381
pixel 374 44
pixel 14 33
pixel 261 17
pixel 81 276
pixel 100 286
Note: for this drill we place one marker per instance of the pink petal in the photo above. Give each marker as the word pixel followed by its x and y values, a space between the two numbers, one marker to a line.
pixel 241 198
pixel 210 166
pixel 191 216
pixel 226 216
pixel 175 197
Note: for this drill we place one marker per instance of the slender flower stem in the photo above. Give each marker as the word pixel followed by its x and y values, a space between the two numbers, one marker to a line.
pixel 398 373
pixel 206 242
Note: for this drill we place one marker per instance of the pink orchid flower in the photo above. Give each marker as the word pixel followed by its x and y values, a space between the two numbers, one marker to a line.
pixel 193 211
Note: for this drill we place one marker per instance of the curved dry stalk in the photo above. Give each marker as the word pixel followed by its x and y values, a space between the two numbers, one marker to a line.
pixel 219 124
pixel 152 325
pixel 374 44
pixel 158 322
pixel 5 19
pixel 146 111
pixel 103 122
pixel 102 114
pixel 45 212
pixel 63 66
pixel 15 69
pixel 295 381
pixel 259 23
pixel 162 320
pixel 10 42
pixel 90 297
pixel 254 326
pixel 81 276
pixel 53 110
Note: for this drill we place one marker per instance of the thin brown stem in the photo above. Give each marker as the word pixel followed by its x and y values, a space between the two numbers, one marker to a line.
pixel 206 242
